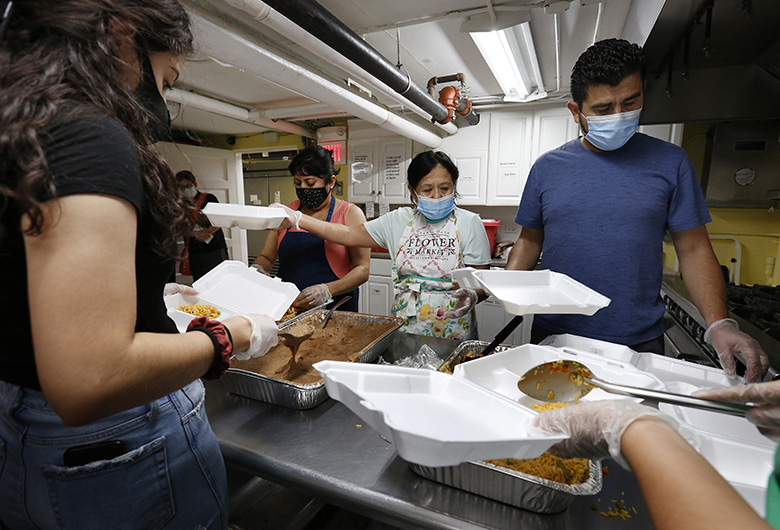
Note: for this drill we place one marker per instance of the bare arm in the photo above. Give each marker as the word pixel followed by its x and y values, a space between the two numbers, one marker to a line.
pixel 526 251
pixel 82 293
pixel 270 251
pixel 680 487
pixel 349 236
pixel 701 272
pixel 360 257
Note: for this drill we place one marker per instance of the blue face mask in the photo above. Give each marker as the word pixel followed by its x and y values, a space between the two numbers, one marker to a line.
pixel 612 131
pixel 436 209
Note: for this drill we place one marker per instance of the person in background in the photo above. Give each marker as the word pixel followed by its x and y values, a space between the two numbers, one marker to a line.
pixel 206 247
pixel 426 244
pixel 320 269
pixel 597 209
pixel 102 418
pixel 681 489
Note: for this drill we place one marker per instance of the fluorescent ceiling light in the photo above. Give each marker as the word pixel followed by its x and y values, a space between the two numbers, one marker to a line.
pixel 514 64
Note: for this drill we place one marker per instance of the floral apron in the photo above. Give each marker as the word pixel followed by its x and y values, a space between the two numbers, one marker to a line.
pixel 426 255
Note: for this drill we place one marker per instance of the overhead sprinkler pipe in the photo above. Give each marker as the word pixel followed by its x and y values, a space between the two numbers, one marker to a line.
pixel 315 19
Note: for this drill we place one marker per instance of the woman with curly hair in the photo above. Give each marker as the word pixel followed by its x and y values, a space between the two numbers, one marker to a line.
pixel 102 422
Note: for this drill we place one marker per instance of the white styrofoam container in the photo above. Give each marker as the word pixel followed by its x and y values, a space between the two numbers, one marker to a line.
pixel 226 215
pixel 665 368
pixel 534 292
pixel 500 371
pixel 731 444
pixel 432 418
pixel 233 288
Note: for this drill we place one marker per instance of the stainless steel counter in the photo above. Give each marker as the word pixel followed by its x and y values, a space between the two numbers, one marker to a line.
pixel 325 453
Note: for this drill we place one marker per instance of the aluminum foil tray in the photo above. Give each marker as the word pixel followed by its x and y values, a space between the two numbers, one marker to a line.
pixel 513 487
pixel 263 388
pixel 468 349
pixel 503 484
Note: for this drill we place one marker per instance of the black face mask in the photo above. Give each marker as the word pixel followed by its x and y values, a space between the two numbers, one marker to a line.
pixel 312 198
pixel 160 125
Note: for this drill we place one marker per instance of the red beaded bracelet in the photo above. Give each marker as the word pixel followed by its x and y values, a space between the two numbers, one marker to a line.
pixel 223 345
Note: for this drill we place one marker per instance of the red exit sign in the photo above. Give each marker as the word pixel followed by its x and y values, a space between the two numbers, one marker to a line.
pixel 337 150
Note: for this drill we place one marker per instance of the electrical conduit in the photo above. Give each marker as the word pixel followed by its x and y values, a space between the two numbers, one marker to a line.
pixel 226 47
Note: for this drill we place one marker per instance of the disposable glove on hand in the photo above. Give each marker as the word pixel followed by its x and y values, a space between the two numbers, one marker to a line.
pixel 595 427
pixel 765 395
pixel 173 288
pixel 259 268
pixel 293 216
pixel 313 296
pixel 465 300
pixel 728 341
pixel 265 335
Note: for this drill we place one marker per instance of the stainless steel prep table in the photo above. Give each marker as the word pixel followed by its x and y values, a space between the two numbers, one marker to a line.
pixel 323 452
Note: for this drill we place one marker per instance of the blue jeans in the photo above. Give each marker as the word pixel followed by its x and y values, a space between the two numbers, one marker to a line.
pixel 171 476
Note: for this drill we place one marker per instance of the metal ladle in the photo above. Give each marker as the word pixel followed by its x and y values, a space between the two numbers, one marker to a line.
pixel 567 381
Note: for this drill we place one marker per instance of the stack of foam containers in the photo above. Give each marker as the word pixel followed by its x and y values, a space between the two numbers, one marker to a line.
pixel 733 445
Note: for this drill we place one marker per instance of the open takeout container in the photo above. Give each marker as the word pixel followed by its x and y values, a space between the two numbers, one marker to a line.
pixel 297 396
pixel 533 292
pixel 432 418
pixel 233 288
pixel 731 444
pixel 226 215
pixel 501 371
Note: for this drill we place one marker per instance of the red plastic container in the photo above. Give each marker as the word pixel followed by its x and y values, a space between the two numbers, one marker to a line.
pixel 491 227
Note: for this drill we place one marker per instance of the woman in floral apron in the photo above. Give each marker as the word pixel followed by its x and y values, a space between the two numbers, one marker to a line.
pixel 426 244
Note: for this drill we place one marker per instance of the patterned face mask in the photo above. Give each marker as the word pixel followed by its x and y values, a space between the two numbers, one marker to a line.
pixel 312 198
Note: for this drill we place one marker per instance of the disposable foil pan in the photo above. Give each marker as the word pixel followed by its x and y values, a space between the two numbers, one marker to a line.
pixel 263 388
pixel 500 483
pixel 513 487
pixel 468 349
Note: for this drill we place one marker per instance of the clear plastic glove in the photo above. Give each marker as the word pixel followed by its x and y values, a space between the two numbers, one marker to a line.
pixel 465 300
pixel 765 395
pixel 313 296
pixel 259 268
pixel 293 216
pixel 265 335
pixel 173 288
pixel 595 427
pixel 728 341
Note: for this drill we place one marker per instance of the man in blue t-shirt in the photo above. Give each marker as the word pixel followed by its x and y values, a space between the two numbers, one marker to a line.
pixel 597 209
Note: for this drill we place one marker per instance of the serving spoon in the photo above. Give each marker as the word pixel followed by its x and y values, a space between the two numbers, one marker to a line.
pixel 293 338
pixel 567 381
pixel 299 333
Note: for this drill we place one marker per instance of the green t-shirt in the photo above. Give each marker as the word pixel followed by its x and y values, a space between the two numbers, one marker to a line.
pixel 773 494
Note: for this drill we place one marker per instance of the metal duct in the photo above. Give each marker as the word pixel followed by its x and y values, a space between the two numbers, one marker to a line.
pixel 321 23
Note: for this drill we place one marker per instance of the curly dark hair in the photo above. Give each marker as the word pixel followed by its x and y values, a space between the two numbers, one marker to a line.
pixel 607 62
pixel 315 161
pixel 423 163
pixel 60 58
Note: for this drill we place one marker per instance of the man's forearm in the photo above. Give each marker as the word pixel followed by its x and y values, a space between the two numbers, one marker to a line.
pixel 526 251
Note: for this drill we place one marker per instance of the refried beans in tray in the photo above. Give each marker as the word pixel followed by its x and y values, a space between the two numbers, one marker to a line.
pixel 339 341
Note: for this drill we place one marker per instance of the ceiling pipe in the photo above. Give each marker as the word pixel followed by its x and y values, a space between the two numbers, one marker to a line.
pixel 269 17
pixel 315 110
pixel 315 19
pixel 197 101
pixel 226 46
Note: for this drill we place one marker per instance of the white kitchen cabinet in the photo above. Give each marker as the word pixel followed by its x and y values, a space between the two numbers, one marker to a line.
pixel 377 169
pixel 472 180
pixel 491 318
pixel 509 157
pixel 376 295
pixel 552 128
pixel 669 132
